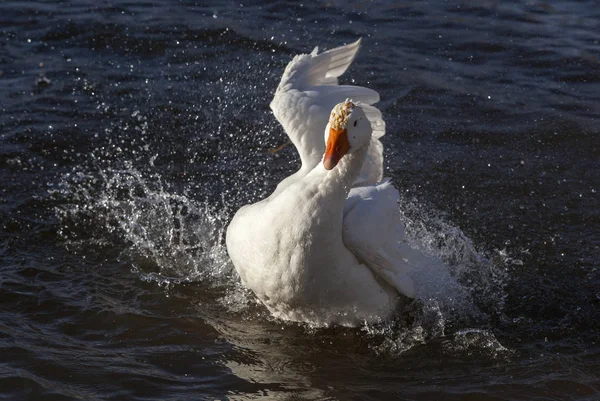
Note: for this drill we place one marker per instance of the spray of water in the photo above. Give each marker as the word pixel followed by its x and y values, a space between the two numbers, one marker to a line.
pixel 120 201
pixel 170 239
pixel 459 291
pixel 165 237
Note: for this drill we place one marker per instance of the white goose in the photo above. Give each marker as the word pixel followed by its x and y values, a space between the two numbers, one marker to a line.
pixel 327 246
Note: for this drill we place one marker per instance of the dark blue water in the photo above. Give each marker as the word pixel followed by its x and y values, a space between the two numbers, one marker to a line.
pixel 130 132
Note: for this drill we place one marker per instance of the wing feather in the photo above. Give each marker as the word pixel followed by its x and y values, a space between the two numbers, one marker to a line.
pixel 309 90
pixel 374 233
pixel 372 170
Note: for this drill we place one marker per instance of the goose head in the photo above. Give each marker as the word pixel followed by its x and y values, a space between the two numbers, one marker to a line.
pixel 347 131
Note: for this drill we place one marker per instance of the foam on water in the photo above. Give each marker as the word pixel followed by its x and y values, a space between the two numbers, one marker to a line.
pixel 472 341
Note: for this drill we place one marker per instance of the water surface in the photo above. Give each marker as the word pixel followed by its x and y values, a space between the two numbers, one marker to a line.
pixel 130 132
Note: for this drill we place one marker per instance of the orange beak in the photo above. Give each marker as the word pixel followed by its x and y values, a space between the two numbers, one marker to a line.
pixel 337 146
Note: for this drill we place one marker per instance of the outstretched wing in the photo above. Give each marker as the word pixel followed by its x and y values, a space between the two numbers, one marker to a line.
pixel 307 93
pixel 374 233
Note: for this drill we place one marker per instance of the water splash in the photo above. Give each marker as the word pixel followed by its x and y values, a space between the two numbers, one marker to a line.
pixel 165 237
pixel 419 323
pixel 463 269
pixel 475 341
pixel 459 291
pixel 169 239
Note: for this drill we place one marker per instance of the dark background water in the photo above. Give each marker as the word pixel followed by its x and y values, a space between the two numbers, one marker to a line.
pixel 130 132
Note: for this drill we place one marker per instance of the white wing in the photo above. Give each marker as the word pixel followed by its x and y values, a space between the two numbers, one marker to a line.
pixel 372 169
pixel 374 233
pixel 308 91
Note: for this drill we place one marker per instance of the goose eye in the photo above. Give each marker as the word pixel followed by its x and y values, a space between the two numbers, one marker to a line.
pixel 355 122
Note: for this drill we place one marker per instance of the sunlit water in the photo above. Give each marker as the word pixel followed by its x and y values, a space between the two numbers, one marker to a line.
pixel 131 133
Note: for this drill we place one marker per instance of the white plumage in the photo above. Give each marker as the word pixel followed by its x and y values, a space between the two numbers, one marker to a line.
pixel 304 98
pixel 326 247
